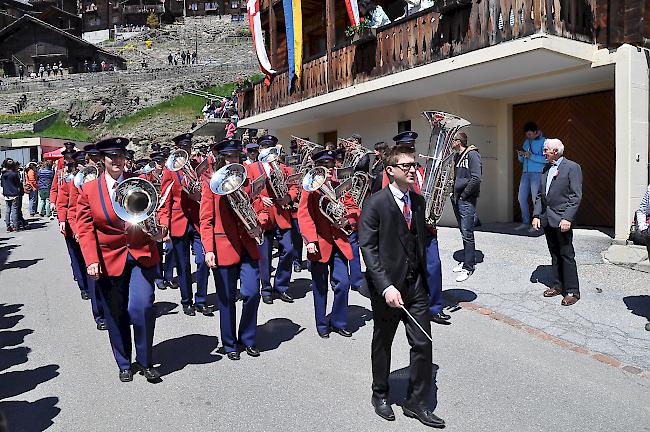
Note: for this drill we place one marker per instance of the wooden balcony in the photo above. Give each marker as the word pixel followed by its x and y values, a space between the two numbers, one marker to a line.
pixel 451 28
pixel 143 9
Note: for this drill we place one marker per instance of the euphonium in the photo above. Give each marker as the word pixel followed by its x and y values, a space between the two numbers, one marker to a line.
pixel 330 204
pixel 85 175
pixel 150 168
pixel 360 187
pixel 305 150
pixel 354 152
pixel 136 202
pixel 276 177
pixel 228 181
pixel 439 168
pixel 179 160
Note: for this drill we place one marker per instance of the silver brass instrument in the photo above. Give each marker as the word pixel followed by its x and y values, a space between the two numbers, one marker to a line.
pixel 439 167
pixel 179 160
pixel 228 181
pixel 277 181
pixel 361 182
pixel 354 152
pixel 305 150
pixel 136 202
pixel 330 203
pixel 85 175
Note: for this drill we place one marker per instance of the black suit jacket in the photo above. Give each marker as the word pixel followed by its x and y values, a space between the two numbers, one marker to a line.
pixel 564 194
pixel 382 236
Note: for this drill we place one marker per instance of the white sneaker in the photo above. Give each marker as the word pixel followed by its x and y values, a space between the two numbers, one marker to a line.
pixel 463 275
pixel 458 268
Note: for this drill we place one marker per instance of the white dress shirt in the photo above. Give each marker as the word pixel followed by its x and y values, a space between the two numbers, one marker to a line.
pixel 551 173
pixel 399 200
pixel 110 184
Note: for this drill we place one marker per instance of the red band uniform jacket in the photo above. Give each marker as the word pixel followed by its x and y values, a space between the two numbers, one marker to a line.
pixel 278 215
pixel 179 209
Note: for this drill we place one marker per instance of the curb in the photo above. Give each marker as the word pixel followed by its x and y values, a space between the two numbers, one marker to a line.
pixel 603 358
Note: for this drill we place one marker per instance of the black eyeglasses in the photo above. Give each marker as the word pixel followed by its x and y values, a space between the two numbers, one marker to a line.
pixel 406 166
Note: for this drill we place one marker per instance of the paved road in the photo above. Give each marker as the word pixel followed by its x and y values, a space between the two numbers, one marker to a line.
pixel 57 371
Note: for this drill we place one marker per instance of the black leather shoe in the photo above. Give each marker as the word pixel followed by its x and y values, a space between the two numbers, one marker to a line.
pixel 438 319
pixel 444 315
pixel 161 285
pixel 342 332
pixel 286 297
pixel 297 267
pixel 238 296
pixel 383 408
pixel 267 299
pixel 102 326
pixel 151 374
pixel 425 416
pixel 252 351
pixel 189 310
pixel 171 284
pixel 84 295
pixel 324 335
pixel 233 355
pixel 126 375
pixel 205 310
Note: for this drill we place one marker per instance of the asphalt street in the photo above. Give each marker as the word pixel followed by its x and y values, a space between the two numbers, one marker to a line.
pixel 57 371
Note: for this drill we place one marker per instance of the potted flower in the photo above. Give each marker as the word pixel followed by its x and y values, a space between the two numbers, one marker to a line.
pixel 361 32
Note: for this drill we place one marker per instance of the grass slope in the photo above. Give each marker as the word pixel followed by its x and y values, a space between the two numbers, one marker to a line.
pixel 23 118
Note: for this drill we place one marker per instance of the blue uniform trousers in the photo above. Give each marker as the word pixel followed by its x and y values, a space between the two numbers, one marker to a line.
pixel 95 303
pixel 181 252
pixel 356 277
pixel 128 301
pixel 296 238
pixel 320 286
pixel 77 263
pixel 285 261
pixel 166 266
pixel 434 275
pixel 225 279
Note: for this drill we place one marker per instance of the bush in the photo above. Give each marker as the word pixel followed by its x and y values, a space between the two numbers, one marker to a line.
pixel 153 21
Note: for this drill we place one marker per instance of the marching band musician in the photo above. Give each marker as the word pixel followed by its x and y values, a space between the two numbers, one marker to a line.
pixel 327 246
pixel 93 157
pixel 232 254
pixel 434 266
pixel 280 227
pixel 60 172
pixel 180 213
pixel 66 227
pixel 73 200
pixel 252 152
pixel 123 261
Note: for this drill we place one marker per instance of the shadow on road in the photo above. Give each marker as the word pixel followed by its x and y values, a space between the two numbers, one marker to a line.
pixel 276 331
pixel 358 316
pixel 21 264
pixel 459 256
pixel 23 416
pixel 174 354
pixel 509 229
pixel 452 298
pixel 398 382
pixel 299 288
pixel 5 251
pixel 639 305
pixel 165 308
pixel 543 274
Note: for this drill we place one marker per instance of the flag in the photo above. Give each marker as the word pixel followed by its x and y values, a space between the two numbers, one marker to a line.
pixel 253 7
pixel 353 11
pixel 293 23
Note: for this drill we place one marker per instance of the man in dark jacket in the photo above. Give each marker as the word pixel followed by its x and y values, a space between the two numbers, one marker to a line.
pixel 556 206
pixel 10 182
pixel 466 190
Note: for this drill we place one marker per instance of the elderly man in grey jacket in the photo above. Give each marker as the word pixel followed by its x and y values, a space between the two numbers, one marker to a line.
pixel 556 205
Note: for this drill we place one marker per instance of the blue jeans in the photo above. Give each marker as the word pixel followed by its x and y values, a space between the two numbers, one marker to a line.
pixel 465 212
pixel 33 202
pixel 529 183
pixel 11 214
pixel 44 202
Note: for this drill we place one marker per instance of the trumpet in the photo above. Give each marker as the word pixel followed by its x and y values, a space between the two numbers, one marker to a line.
pixel 85 175
pixel 136 202
pixel 329 204
pixel 277 181
pixel 228 181
pixel 179 160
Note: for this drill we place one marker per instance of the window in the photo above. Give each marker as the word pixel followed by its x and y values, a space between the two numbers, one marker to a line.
pixel 234 4
pixel 403 126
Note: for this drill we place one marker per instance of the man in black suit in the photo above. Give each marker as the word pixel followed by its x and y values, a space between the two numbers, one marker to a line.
pixel 556 205
pixel 396 278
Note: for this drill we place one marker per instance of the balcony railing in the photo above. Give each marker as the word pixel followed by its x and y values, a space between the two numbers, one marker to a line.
pixel 143 9
pixel 451 28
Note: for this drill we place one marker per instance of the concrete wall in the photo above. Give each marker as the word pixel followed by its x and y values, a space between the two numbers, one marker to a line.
pixel 489 131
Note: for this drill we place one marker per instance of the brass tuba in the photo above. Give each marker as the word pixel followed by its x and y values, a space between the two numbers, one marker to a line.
pixel 439 167
pixel 305 150
pixel 360 186
pixel 136 202
pixel 330 203
pixel 276 177
pixel 85 175
pixel 354 152
pixel 179 160
pixel 228 181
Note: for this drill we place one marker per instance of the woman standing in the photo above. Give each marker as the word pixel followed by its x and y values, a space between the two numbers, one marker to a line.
pixel 11 190
pixel 31 187
pixel 231 253
pixel 45 179
pixel 123 259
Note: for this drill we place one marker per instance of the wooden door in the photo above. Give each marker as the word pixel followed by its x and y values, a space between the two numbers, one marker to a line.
pixel 585 124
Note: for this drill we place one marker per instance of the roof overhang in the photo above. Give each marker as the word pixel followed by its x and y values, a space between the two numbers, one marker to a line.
pixel 530 64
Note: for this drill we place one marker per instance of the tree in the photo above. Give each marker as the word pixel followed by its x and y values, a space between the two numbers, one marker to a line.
pixel 153 21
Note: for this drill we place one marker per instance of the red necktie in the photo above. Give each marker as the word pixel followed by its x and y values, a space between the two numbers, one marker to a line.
pixel 406 210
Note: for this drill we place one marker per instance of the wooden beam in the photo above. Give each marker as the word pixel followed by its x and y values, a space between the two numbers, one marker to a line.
pixel 273 32
pixel 331 35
